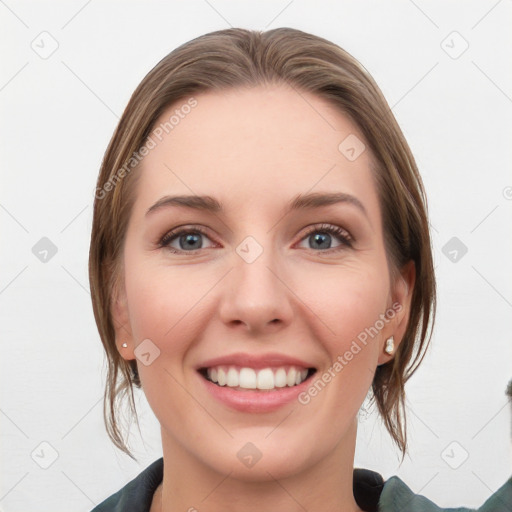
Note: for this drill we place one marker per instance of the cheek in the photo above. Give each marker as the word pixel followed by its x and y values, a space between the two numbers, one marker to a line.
pixel 162 301
pixel 346 299
pixel 164 305
pixel 348 302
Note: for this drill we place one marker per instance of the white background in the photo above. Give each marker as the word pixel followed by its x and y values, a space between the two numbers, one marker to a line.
pixel 57 116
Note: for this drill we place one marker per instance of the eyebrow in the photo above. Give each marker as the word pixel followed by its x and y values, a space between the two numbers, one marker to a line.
pixel 301 202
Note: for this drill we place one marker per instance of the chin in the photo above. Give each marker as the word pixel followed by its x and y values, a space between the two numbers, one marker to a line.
pixel 252 458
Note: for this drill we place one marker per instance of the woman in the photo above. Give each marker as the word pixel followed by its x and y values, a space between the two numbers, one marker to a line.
pixel 255 347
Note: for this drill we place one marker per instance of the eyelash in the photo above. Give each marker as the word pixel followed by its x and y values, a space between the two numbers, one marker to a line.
pixel 344 237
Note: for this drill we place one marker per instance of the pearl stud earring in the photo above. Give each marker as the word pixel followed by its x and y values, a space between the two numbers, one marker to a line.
pixel 124 345
pixel 390 345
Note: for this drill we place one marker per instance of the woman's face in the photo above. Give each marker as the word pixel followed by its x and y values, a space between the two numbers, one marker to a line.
pixel 276 273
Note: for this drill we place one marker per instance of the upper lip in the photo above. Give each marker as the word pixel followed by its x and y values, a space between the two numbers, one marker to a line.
pixel 268 360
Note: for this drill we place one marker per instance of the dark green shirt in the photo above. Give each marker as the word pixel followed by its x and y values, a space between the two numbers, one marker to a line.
pixel 371 493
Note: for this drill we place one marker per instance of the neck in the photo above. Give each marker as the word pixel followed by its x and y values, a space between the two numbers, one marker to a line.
pixel 190 485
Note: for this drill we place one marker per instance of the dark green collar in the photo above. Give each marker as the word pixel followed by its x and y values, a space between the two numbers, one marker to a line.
pixel 371 493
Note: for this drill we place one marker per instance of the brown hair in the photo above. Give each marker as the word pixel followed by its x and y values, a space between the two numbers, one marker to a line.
pixel 234 58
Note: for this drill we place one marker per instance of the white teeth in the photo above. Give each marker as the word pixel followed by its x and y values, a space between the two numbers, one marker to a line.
pixel 265 378
pixel 301 376
pixel 292 375
pixel 221 377
pixel 247 378
pixel 280 378
pixel 232 378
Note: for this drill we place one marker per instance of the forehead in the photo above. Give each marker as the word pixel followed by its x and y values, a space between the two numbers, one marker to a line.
pixel 259 145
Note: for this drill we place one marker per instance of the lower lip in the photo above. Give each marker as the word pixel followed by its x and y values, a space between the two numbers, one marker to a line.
pixel 249 400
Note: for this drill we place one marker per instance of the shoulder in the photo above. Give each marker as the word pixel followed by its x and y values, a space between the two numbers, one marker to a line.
pixel 136 495
pixel 371 492
pixel 396 495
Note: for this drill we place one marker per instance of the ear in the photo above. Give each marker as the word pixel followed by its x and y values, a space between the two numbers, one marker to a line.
pixel 401 298
pixel 121 321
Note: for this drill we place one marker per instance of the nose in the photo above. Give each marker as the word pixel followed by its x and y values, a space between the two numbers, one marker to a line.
pixel 256 297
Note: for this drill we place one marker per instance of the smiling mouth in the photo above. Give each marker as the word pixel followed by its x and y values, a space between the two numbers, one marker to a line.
pixel 264 379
